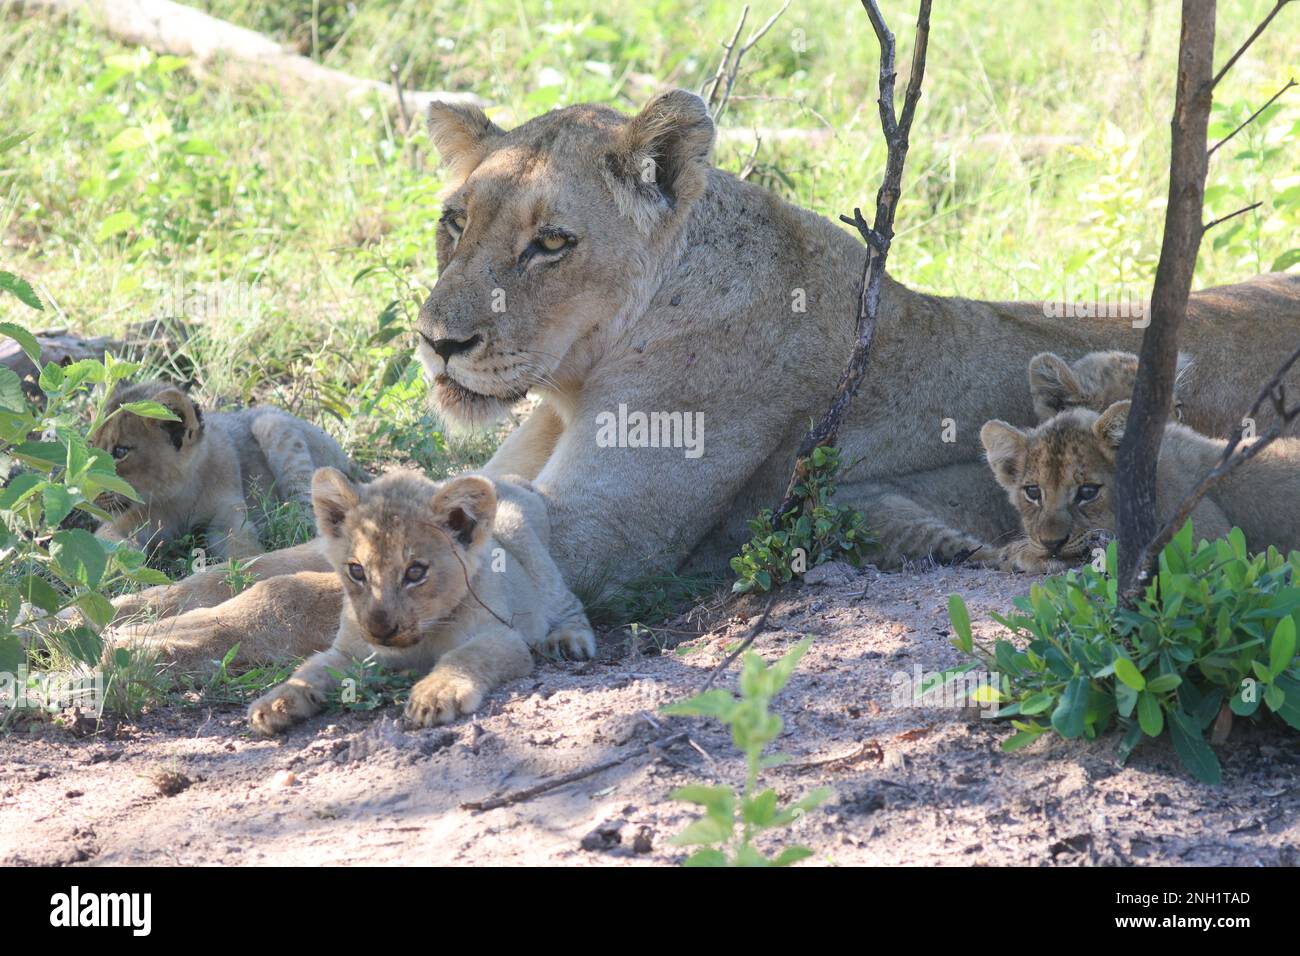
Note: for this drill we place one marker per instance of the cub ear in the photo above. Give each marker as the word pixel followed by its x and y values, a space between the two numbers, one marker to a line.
pixel 1004 446
pixel 332 497
pixel 190 427
pixel 461 135
pixel 660 159
pixel 466 507
pixel 1052 384
pixel 1109 428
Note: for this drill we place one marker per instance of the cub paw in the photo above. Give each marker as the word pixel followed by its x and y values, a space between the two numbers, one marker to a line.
pixel 279 709
pixel 573 640
pixel 442 697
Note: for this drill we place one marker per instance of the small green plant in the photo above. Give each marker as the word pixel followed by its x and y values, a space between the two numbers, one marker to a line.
pixel 733 819
pixel 366 685
pixel 1212 637
pixel 811 533
pixel 238 576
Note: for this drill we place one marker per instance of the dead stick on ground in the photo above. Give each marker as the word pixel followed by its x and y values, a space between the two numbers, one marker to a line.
pixel 554 783
pixel 877 236
pixel 754 631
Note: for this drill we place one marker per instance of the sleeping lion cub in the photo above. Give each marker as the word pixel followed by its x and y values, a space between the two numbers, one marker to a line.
pixel 450 578
pixel 205 470
pixel 1097 380
pixel 1060 476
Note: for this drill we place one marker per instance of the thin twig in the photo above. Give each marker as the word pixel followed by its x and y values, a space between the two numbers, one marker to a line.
pixel 554 783
pixel 1250 119
pixel 754 631
pixel 1232 215
pixel 465 571
pixel 1249 40
pixel 727 72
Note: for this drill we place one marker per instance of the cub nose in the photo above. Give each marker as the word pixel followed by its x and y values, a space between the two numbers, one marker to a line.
pixel 381 626
pixel 1054 547
pixel 446 348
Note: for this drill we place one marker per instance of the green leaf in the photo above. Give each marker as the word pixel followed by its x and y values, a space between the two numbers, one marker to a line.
pixel 780 672
pixel 1071 713
pixel 11 391
pixel 1192 748
pixel 58 504
pixel 711 703
pixel 760 809
pixel 1163 683
pixel 79 556
pixel 1150 715
pixel 97 608
pixel 151 410
pixel 83 644
pixel 1282 649
pixel 25 339
pixel 37 591
pixel 12 654
pixel 1129 674
pixel 960 619
pixel 706 858
pixel 16 285
pixel 117 223
pixel 1285 261
pixel 703 831
pixel 792 854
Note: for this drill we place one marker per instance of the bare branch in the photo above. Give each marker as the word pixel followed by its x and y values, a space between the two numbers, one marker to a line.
pixel 754 631
pixel 724 80
pixel 1232 215
pixel 1234 455
pixel 877 236
pixel 1250 119
pixel 1249 40
pixel 711 99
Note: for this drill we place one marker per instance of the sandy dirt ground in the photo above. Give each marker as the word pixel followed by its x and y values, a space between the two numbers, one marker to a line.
pixel 911 785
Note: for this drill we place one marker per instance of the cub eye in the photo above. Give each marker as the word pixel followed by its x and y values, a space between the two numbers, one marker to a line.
pixel 121 451
pixel 416 573
pixel 356 572
pixel 1087 492
pixel 1032 492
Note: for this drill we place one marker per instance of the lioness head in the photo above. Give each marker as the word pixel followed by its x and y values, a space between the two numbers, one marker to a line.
pixel 1060 476
pixel 404 547
pixel 154 456
pixel 1097 381
pixel 551 231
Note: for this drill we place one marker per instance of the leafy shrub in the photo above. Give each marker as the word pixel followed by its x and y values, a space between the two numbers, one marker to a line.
pixel 1214 635
pixel 42 563
pixel 812 533
pixel 753 727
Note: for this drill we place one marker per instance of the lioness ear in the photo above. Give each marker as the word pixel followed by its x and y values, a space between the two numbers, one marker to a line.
pixel 1052 384
pixel 1004 446
pixel 466 507
pixel 461 135
pixel 190 426
pixel 332 497
pixel 1110 426
pixel 660 159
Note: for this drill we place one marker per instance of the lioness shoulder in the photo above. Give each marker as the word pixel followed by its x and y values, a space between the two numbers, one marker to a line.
pixel 430 585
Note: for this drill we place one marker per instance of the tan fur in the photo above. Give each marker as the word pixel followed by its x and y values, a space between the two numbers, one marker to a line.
pixel 444 578
pixel 206 470
pixel 1097 381
pixel 697 292
pixel 1075 450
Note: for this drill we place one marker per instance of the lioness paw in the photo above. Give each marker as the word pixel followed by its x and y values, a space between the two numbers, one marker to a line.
pixel 279 709
pixel 574 641
pixel 442 697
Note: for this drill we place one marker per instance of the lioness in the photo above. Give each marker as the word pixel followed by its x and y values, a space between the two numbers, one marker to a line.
pixel 205 470
pixel 1060 476
pixel 429 586
pixel 601 262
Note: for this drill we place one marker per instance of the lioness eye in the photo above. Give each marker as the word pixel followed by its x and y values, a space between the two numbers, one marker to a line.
pixel 553 243
pixel 1087 492
pixel 416 573
pixel 1032 492
pixel 121 451
pixel 356 572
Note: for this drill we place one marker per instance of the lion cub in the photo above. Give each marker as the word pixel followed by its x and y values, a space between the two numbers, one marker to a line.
pixel 1097 380
pixel 451 578
pixel 205 469
pixel 1060 476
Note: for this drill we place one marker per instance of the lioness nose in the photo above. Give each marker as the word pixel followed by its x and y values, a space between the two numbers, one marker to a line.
pixel 446 348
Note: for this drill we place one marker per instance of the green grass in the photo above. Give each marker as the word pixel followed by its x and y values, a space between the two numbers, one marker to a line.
pixel 298 236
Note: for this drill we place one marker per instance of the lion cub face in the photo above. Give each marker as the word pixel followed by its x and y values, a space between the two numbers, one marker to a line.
pixel 155 457
pixel 404 547
pixel 1060 476
pixel 1097 381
